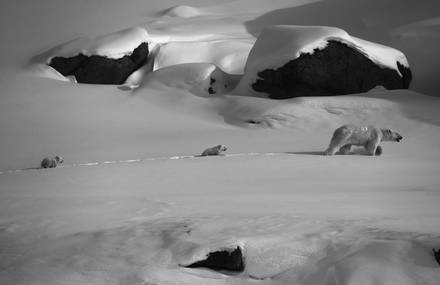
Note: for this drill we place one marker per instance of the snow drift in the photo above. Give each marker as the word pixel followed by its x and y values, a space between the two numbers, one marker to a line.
pixel 201 79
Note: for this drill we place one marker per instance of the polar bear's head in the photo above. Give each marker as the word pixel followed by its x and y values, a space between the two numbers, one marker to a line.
pixel 59 159
pixel 221 148
pixel 389 135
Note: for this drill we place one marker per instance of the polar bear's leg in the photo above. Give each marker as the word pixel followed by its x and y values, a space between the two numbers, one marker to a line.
pixel 345 149
pixel 379 150
pixel 371 147
pixel 339 139
pixel 334 147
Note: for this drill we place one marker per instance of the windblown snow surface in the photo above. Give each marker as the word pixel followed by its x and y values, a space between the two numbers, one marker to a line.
pixel 133 204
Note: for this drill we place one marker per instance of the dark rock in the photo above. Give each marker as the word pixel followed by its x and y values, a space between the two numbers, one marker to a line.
pixel 222 260
pixel 97 69
pixel 66 66
pixel 338 69
pixel 436 255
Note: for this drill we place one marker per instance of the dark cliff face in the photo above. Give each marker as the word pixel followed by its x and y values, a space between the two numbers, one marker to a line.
pixel 338 69
pixel 97 69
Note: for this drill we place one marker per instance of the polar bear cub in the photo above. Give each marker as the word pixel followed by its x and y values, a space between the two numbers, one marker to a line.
pixel 51 162
pixel 215 150
pixel 369 137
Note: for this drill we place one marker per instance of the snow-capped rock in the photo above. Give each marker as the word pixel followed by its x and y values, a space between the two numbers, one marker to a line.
pixel 293 61
pixel 98 69
pixel 107 59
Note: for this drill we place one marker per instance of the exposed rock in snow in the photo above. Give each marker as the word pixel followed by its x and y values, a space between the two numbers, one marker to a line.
pixel 222 260
pixel 106 59
pixel 98 69
pixel 293 61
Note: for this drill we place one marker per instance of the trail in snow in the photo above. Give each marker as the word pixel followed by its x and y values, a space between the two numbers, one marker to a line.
pixel 96 163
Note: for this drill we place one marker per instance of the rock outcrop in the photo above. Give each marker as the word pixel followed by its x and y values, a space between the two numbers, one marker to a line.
pixel 222 260
pixel 337 69
pixel 98 69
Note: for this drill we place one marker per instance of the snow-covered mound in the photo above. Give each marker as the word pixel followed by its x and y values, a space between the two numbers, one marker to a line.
pixel 202 79
pixel 229 55
pixel 309 112
pixel 292 61
pixel 47 71
pixel 182 11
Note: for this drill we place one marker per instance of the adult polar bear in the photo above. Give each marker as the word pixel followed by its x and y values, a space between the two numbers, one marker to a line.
pixel 369 137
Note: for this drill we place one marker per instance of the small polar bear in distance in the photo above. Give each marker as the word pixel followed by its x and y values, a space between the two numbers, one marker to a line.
pixel 369 137
pixel 215 150
pixel 51 162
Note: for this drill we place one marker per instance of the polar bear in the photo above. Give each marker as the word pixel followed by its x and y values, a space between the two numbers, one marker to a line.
pixel 51 162
pixel 368 137
pixel 215 150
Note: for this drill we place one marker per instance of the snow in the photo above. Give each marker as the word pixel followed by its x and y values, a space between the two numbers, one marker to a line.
pixel 229 55
pixel 202 79
pixel 132 202
pixel 277 45
pixel 183 11
pixel 114 45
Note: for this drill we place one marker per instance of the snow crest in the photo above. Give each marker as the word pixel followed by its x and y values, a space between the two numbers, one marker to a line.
pixel 115 45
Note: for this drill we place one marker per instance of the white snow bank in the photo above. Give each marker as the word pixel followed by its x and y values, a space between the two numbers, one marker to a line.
pixel 183 11
pixel 309 112
pixel 115 45
pixel 202 79
pixel 277 45
pixel 47 71
pixel 229 55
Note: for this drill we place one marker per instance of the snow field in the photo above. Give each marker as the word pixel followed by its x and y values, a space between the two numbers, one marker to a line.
pixel 132 204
